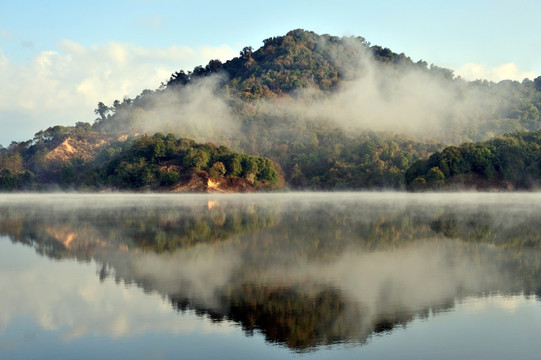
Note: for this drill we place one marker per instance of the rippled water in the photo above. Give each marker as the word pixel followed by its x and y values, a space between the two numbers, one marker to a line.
pixel 334 275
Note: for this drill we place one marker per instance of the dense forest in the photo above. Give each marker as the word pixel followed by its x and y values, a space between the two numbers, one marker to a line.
pixel 305 111
pixel 158 162
pixel 512 161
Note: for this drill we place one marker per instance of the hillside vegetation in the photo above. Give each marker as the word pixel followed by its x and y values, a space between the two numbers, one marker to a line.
pixel 512 161
pixel 324 112
pixel 157 162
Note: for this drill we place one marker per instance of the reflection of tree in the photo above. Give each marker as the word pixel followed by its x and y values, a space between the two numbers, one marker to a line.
pixel 71 232
pixel 292 317
pixel 272 236
pixel 301 320
pixel 517 232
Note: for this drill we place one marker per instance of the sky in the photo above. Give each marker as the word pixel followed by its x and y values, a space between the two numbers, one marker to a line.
pixel 58 59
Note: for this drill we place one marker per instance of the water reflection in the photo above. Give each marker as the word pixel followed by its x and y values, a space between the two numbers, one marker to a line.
pixel 302 269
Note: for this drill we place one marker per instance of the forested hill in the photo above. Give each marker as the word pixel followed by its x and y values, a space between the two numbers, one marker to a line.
pixel 329 112
pixel 362 86
pixel 299 59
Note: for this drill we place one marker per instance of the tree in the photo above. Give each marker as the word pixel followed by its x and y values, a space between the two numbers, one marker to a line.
pixel 528 115
pixel 537 83
pixel 419 183
pixel 233 164
pixel 179 78
pixel 8 180
pixel 12 162
pixel 25 179
pixel 83 127
pixel 296 176
pixel 249 166
pixel 267 173
pixel 246 52
pixel 170 178
pixel 217 170
pixel 102 110
pixel 134 174
pixel 197 159
pixel 159 149
pixel 214 66
pixel 451 161
pixel 435 177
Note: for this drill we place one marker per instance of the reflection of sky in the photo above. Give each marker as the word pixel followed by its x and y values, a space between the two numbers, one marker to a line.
pixel 495 327
pixel 60 308
pixel 67 297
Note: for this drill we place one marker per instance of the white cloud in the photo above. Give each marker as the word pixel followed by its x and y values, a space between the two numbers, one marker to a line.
pixel 63 86
pixel 509 71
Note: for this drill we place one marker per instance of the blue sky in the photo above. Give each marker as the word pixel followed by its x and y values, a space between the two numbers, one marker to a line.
pixel 59 58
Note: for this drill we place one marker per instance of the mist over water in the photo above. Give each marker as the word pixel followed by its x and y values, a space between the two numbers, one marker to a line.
pixel 361 263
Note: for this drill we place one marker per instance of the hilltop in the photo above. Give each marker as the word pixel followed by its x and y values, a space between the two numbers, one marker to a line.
pixel 327 112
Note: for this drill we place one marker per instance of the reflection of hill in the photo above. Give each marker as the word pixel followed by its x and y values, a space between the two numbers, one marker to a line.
pixel 302 321
pixel 518 230
pixel 62 230
pixel 304 270
pixel 514 227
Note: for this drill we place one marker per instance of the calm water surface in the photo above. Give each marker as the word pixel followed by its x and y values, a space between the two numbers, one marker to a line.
pixel 297 275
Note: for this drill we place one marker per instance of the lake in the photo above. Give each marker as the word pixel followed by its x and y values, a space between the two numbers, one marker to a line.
pixel 266 276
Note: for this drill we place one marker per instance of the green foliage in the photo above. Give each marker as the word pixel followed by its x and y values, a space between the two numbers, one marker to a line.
pixel 336 161
pixel 435 177
pixel 233 164
pixel 197 159
pixel 170 178
pixel 11 161
pixel 134 174
pixel 250 166
pixel 217 170
pixel 10 181
pixel 509 161
pixel 537 83
pixel 266 172
pixel 146 163
pixel 71 171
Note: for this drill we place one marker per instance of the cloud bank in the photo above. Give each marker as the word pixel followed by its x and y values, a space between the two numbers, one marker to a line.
pixel 509 71
pixel 63 86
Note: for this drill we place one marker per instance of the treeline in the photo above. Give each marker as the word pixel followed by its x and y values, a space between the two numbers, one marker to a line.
pixel 159 160
pixel 69 158
pixel 333 162
pixel 512 161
